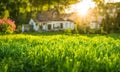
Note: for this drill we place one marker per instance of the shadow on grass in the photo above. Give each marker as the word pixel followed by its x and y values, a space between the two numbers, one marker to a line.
pixel 112 35
pixel 44 33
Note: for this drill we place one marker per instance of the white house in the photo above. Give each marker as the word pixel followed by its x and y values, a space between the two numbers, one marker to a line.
pixel 112 10
pixel 95 23
pixel 50 21
pixel 52 25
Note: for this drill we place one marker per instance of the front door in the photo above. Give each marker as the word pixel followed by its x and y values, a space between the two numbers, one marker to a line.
pixel 49 26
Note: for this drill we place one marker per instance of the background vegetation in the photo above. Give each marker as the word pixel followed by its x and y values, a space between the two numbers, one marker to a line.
pixel 22 10
pixel 57 52
pixel 7 26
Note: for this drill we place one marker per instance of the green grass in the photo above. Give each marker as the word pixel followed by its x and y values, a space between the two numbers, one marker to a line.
pixel 59 53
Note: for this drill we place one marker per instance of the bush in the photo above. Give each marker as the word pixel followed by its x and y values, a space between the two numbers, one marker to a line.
pixel 18 29
pixel 7 26
pixel 68 31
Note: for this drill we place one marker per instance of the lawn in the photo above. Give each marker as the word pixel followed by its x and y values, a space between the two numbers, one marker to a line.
pixel 59 53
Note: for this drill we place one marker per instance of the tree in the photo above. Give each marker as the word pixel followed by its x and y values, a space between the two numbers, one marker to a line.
pixel 20 10
pixel 109 11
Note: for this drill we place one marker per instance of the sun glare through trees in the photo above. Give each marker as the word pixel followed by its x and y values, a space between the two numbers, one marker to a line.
pixel 59 35
pixel 82 7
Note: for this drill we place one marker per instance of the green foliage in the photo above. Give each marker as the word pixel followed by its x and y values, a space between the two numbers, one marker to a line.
pixel 22 10
pixel 17 9
pixel 19 29
pixel 95 31
pixel 76 29
pixel 7 26
pixel 59 53
pixel 6 14
pixel 68 31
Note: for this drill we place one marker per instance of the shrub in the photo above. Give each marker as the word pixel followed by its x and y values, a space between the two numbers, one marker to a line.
pixel 18 29
pixel 68 31
pixel 7 26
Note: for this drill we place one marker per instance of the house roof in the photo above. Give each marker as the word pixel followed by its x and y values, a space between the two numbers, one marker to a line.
pixel 51 15
pixel 48 16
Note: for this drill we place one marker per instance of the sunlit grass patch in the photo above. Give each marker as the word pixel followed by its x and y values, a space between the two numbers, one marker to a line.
pixel 59 53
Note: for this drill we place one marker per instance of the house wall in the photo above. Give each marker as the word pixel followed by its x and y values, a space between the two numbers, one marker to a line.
pixel 51 25
pixel 95 22
pixel 56 25
pixel 32 22
pixel 26 27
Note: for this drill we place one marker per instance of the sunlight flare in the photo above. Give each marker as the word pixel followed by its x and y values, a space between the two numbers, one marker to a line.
pixel 84 6
pixel 81 7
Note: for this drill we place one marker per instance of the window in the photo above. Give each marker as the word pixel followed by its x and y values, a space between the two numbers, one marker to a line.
pixel 61 25
pixel 58 26
pixel 40 26
pixel 44 23
pixel 53 25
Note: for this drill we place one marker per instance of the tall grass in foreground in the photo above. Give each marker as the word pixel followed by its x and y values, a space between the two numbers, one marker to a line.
pixel 59 53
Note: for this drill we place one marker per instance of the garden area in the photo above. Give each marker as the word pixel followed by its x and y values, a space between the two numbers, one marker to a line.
pixel 93 45
pixel 59 53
